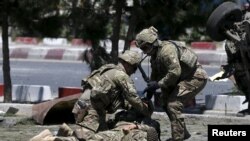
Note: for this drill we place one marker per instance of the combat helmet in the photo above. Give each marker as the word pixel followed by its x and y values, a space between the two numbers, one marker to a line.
pixel 148 35
pixel 131 57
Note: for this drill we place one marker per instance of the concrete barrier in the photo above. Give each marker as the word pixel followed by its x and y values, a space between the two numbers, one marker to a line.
pixel 81 42
pixel 211 57
pixel 37 53
pixel 55 41
pixel 55 54
pixel 1 92
pixel 227 103
pixel 203 45
pixel 31 93
pixel 67 91
pixel 26 40
pixel 73 54
pixel 19 53
pixel 1 89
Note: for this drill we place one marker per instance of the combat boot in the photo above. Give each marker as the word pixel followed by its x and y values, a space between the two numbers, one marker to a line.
pixel 65 139
pixel 64 131
pixel 45 135
pixel 186 133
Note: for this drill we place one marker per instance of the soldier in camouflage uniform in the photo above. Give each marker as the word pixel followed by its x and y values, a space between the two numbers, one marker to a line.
pixel 108 89
pixel 176 72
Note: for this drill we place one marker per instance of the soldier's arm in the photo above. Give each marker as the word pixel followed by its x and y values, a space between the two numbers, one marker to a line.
pixel 153 74
pixel 130 93
pixel 170 63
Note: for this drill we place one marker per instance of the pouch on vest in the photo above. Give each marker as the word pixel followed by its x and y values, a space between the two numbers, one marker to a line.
pixel 101 93
pixel 94 78
pixel 186 55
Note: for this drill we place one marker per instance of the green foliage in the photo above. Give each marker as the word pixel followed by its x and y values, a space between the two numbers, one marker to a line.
pixel 92 20
pixel 36 18
pixel 173 17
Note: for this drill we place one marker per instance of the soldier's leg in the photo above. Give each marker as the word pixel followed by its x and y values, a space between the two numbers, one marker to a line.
pixel 174 112
pixel 91 120
pixel 81 106
pixel 71 138
pixel 45 135
pixel 99 107
pixel 83 133
pixel 173 105
pixel 64 130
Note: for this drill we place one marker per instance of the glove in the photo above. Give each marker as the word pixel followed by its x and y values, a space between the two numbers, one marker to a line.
pixel 152 86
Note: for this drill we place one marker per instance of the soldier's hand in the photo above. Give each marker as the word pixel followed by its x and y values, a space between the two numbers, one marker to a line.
pixel 152 86
pixel 127 128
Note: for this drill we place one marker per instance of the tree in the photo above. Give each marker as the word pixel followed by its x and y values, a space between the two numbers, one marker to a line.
pixel 135 12
pixel 118 6
pixel 5 47
pixel 37 18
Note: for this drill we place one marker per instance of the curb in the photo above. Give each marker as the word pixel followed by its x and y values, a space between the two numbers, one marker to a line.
pixel 207 117
pixel 68 53
pixel 23 109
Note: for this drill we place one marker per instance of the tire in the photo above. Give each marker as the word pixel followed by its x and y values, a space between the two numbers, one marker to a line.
pixel 223 17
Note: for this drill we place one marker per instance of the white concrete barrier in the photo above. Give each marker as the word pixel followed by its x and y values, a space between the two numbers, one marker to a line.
pixel 73 54
pixel 211 57
pixel 230 103
pixel 37 53
pixel 31 93
pixel 55 41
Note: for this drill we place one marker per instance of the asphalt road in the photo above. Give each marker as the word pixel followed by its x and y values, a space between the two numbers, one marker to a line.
pixel 69 74
pixel 57 74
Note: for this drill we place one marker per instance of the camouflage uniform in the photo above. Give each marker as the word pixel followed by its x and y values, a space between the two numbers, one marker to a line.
pixel 110 88
pixel 179 76
pixel 146 131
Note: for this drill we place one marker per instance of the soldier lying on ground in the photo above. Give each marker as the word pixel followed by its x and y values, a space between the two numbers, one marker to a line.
pixel 125 125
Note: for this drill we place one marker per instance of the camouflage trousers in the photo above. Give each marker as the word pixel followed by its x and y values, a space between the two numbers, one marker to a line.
pixel 118 134
pixel 84 134
pixel 86 116
pixel 81 106
pixel 174 101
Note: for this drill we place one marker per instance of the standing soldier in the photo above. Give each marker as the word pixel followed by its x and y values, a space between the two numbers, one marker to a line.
pixel 107 89
pixel 176 71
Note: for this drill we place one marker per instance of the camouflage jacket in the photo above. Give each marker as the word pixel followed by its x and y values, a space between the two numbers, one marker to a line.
pixel 166 66
pixel 114 87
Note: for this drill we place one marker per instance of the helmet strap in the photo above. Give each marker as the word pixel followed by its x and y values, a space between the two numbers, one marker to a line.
pixel 156 42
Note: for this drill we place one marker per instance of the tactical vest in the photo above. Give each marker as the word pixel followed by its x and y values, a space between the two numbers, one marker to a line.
pixel 101 86
pixel 94 79
pixel 186 56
